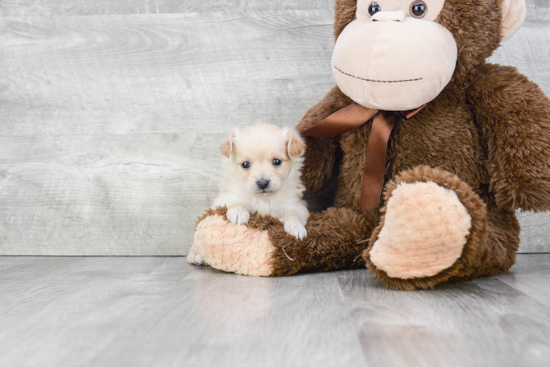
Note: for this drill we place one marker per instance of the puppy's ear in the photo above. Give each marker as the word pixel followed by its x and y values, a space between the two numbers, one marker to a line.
pixel 227 146
pixel 296 144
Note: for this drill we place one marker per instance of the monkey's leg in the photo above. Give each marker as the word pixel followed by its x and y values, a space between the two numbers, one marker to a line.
pixel 336 240
pixel 434 229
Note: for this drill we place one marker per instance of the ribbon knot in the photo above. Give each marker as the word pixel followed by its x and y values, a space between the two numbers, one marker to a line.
pixel 350 118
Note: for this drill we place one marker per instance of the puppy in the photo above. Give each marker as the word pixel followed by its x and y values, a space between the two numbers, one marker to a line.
pixel 262 174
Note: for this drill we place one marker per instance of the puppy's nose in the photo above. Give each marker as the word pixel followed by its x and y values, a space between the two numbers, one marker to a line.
pixel 263 183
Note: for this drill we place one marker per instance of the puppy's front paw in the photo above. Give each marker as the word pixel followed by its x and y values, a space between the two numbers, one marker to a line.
pixel 238 215
pixel 198 260
pixel 194 258
pixel 296 229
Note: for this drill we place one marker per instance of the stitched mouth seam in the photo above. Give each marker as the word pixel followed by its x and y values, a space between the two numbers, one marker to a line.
pixel 378 81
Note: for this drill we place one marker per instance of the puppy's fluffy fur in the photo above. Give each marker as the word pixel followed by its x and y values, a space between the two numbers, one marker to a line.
pixel 262 174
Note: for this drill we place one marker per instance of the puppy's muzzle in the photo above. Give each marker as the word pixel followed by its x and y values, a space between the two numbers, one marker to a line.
pixel 262 184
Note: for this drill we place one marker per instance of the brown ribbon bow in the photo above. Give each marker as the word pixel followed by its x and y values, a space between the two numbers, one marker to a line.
pixel 350 118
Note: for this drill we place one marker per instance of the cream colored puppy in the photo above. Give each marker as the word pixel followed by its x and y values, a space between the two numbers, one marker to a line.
pixel 262 174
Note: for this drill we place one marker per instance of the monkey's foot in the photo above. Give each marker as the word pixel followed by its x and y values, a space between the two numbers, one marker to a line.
pixel 424 231
pixel 233 247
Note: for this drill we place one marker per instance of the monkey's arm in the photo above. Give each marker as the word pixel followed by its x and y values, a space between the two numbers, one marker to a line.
pixel 321 151
pixel 514 114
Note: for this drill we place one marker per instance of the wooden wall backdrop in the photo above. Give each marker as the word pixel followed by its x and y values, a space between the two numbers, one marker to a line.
pixel 111 112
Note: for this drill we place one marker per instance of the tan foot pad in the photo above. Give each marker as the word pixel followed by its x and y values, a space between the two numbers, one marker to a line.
pixel 425 229
pixel 234 248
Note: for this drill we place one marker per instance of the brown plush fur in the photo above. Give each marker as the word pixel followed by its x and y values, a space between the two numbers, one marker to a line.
pixel 486 137
pixel 518 137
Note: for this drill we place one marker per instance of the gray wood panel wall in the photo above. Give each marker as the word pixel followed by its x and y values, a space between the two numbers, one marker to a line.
pixel 111 112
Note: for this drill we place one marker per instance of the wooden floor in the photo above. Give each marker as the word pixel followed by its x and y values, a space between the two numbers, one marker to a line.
pixel 158 311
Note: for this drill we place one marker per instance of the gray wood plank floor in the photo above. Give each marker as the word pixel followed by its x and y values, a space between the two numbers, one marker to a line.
pixel 112 111
pixel 143 311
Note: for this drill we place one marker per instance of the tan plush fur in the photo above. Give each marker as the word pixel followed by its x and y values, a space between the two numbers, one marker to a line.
pixel 237 248
pixel 478 253
pixel 368 58
pixel 426 227
pixel 485 138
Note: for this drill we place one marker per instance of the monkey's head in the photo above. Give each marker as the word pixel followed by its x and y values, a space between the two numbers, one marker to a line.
pixel 400 54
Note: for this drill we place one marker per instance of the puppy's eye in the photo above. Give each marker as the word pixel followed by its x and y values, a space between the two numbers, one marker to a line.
pixel 245 165
pixel 419 9
pixel 374 8
pixel 277 162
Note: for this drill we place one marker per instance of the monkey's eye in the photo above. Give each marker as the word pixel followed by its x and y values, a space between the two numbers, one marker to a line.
pixel 419 9
pixel 374 8
pixel 245 165
pixel 277 162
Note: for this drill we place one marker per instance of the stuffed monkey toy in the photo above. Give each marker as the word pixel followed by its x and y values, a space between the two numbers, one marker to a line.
pixel 475 149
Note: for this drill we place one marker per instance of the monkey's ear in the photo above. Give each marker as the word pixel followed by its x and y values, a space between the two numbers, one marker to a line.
pixel 227 147
pixel 296 144
pixel 513 16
